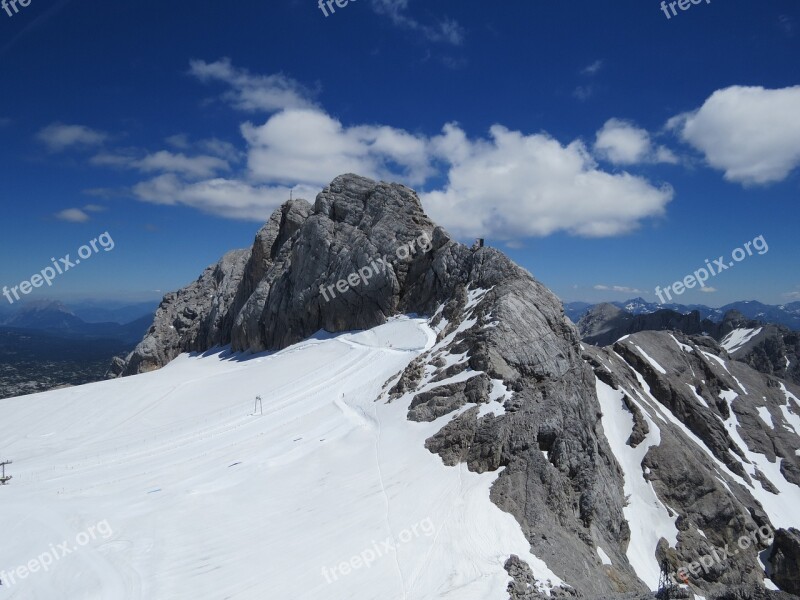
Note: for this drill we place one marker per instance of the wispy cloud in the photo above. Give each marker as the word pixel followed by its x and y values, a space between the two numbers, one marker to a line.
pixel 583 92
pixel 787 25
pixel 163 161
pixel 593 68
pixel 792 295
pixel 252 93
pixel 59 137
pixel 707 289
pixel 78 215
pixel 618 288
pixel 447 30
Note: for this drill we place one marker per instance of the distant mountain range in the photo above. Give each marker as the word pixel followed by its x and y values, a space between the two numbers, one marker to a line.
pixel 772 349
pixel 46 344
pixel 787 315
pixel 126 323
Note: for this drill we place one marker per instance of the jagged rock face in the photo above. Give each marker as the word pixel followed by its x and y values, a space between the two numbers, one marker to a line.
pixel 774 350
pixel 514 387
pixel 275 294
pixel 506 329
pixel 192 319
pixel 116 368
pixel 785 560
pixel 714 442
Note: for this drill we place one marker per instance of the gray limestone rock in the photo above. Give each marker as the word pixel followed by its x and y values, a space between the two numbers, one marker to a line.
pixel 512 374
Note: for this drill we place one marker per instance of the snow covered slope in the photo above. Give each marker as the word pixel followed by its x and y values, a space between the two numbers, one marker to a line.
pixel 201 497
pixel 738 338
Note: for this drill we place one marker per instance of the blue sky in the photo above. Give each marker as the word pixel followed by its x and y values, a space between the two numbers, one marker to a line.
pixel 604 147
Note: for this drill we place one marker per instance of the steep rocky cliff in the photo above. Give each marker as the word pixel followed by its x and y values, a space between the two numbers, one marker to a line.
pixel 562 421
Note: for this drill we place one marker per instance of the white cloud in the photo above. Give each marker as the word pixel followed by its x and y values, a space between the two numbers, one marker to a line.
pixel 311 147
pixel 252 93
pixel 623 143
pixel 750 133
pixel 195 167
pixel 447 30
pixel 618 288
pixel 212 146
pixel 707 289
pixel 593 68
pixel 220 148
pixel 72 215
pixel 515 185
pixel 583 92
pixel 792 295
pixel 228 198
pixel 58 137
pixel 509 186
pixel 179 141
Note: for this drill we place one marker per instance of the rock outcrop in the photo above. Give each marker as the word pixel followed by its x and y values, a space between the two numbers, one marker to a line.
pixel 520 388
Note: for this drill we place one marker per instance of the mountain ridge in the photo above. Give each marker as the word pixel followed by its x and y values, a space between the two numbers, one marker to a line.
pixel 523 395
pixel 781 314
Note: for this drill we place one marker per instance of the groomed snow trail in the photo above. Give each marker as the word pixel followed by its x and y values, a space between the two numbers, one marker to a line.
pixel 205 500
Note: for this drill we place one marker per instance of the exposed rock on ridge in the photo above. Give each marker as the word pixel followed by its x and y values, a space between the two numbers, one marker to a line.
pixel 510 369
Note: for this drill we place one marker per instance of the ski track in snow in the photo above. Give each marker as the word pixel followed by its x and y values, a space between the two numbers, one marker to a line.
pixel 208 500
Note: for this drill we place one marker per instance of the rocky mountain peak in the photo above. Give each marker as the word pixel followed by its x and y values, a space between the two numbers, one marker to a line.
pixel 592 446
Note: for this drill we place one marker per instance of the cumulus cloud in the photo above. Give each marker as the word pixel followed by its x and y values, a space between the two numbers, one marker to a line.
pixel 252 93
pixel 59 137
pixel 230 198
pixel 750 133
pixel 509 186
pixel 310 146
pixel 515 185
pixel 623 143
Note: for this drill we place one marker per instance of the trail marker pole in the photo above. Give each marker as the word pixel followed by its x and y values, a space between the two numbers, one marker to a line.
pixel 3 478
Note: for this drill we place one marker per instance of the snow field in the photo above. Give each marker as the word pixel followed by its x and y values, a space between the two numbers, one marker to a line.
pixel 208 500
